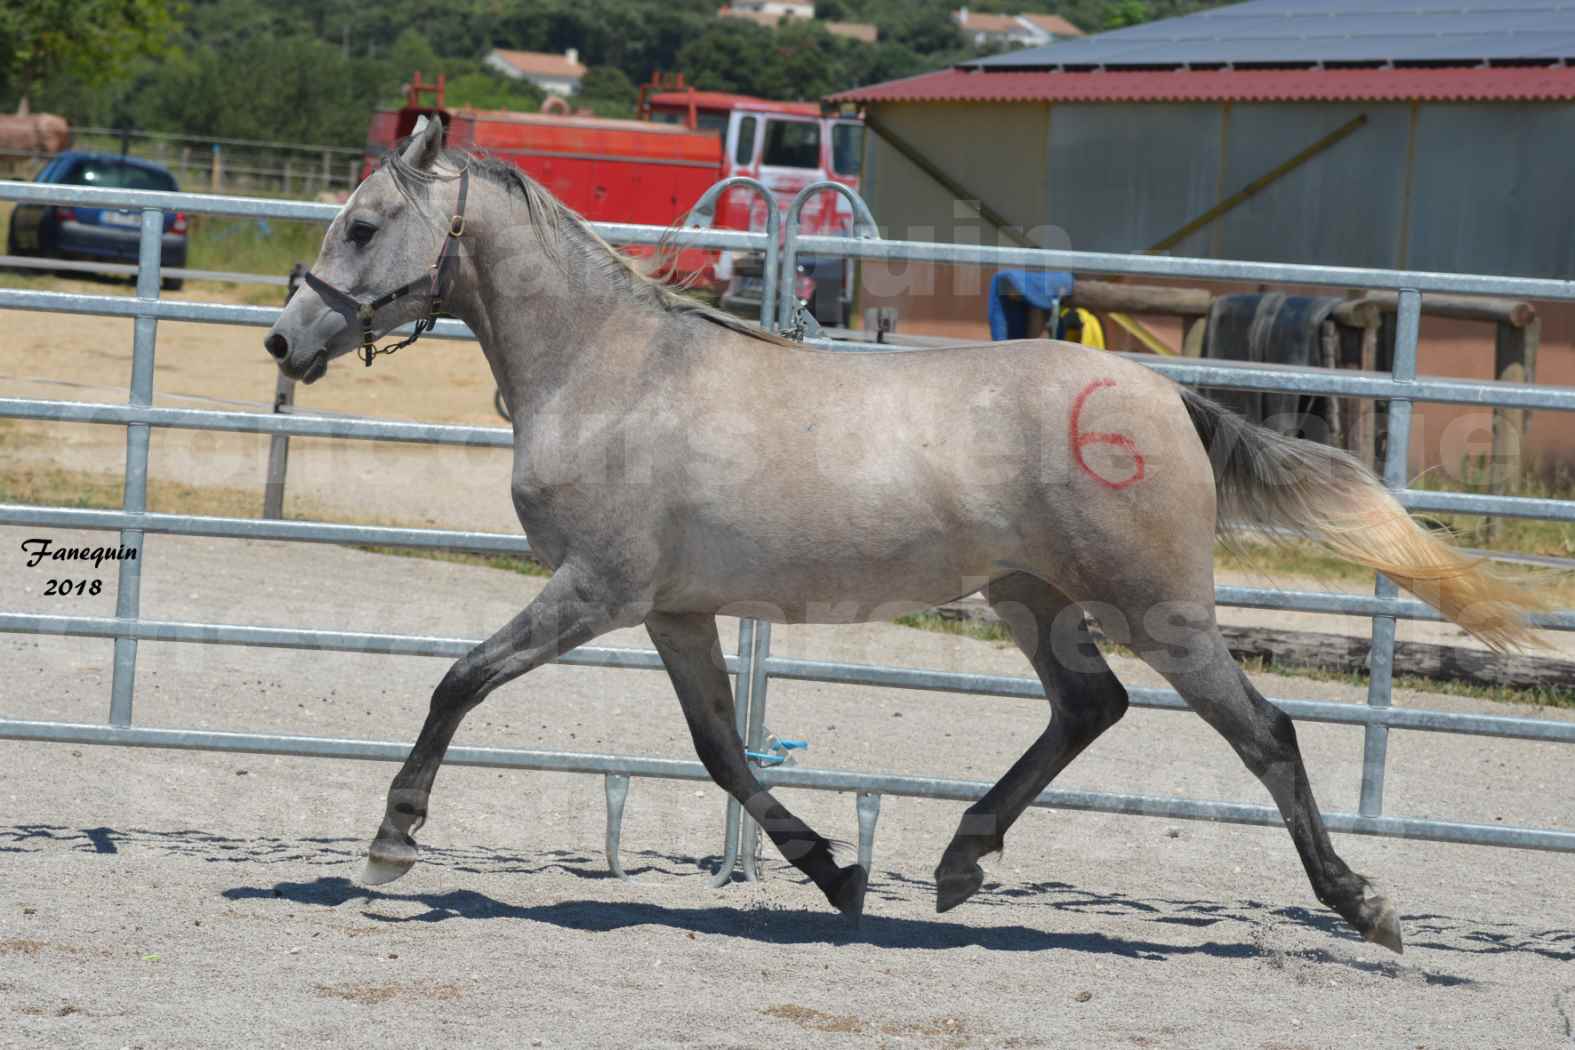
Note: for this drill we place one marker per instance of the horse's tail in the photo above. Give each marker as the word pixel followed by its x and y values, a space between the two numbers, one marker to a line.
pixel 1265 479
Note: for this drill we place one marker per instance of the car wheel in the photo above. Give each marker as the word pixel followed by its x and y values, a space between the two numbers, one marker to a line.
pixel 172 284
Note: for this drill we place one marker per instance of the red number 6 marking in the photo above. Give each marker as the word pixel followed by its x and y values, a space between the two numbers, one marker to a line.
pixel 1078 440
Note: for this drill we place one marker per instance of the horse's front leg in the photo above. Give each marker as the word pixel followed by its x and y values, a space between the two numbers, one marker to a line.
pixel 692 654
pixel 572 609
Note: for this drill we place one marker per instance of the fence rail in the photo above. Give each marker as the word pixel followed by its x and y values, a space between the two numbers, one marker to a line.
pixel 753 664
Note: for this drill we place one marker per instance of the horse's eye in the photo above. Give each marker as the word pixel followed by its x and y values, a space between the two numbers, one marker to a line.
pixel 360 233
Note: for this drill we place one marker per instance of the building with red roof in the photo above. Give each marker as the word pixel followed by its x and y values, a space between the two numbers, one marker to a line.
pixel 558 74
pixel 1370 133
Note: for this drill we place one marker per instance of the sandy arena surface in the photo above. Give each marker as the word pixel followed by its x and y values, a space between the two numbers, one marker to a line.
pixel 178 899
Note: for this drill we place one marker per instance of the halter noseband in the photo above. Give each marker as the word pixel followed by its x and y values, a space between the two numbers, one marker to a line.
pixel 361 313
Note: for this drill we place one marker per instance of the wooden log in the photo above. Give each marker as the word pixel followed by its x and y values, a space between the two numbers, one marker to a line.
pixel 1462 307
pixel 1514 361
pixel 1347 654
pixel 1358 313
pixel 1110 297
pixel 1329 344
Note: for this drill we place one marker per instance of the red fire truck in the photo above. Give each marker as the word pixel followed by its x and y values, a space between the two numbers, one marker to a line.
pixel 652 170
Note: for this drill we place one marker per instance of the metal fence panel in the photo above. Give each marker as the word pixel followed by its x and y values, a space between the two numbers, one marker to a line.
pixel 754 665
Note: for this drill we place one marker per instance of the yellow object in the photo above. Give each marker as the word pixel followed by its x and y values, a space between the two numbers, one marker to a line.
pixel 1142 334
pixel 1090 331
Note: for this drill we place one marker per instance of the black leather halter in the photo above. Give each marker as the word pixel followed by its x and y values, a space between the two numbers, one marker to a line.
pixel 361 313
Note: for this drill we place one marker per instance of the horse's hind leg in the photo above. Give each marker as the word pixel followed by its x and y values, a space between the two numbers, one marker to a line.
pixel 1208 678
pixel 693 655
pixel 1085 700
pixel 568 612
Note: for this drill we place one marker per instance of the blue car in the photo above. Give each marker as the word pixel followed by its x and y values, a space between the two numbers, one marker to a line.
pixel 112 234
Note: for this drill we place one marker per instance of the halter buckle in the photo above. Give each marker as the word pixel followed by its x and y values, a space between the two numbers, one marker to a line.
pixel 456 226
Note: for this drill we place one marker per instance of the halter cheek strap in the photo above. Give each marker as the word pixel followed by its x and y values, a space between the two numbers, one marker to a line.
pixel 361 314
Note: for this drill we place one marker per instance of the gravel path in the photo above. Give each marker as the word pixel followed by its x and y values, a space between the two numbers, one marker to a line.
pixel 170 899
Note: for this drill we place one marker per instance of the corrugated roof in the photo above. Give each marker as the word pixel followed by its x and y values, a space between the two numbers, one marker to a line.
pixel 1464 84
pixel 1315 31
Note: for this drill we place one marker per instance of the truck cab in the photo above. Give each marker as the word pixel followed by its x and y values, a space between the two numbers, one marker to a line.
pixel 788 146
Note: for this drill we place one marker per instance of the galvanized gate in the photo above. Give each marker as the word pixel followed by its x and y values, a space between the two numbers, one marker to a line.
pixel 753 664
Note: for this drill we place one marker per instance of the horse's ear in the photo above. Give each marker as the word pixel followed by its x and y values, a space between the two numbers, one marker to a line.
pixel 426 143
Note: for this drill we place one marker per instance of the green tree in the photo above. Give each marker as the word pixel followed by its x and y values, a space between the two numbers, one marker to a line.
pixel 608 92
pixel 1126 13
pixel 87 41
pixel 488 90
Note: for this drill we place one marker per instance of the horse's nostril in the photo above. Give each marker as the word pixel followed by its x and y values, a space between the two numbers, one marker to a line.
pixel 277 345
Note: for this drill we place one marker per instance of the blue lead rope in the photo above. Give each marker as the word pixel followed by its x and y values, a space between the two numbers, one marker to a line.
pixel 778 753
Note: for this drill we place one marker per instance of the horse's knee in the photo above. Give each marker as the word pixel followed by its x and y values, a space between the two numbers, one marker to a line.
pixel 462 685
pixel 1113 701
pixel 1092 704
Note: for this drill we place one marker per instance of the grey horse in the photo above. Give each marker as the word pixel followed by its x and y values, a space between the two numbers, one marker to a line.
pixel 672 464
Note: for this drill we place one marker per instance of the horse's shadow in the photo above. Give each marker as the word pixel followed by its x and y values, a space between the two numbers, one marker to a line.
pixel 772 926
pixel 1237 927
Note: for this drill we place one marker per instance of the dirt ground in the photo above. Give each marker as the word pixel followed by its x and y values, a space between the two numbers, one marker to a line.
pixel 177 899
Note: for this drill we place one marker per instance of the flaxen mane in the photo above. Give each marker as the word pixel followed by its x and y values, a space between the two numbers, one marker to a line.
pixel 553 220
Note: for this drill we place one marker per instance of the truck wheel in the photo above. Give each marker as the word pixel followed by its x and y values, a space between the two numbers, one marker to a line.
pixel 172 284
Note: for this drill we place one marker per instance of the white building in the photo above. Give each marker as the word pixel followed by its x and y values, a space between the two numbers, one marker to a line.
pixel 1013 30
pixel 778 9
pixel 557 74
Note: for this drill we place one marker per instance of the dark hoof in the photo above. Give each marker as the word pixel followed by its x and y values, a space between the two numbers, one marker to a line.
pixel 847 892
pixel 954 887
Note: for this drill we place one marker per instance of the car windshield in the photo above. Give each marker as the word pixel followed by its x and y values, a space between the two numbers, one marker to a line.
pixel 791 144
pixel 847 148
pixel 111 174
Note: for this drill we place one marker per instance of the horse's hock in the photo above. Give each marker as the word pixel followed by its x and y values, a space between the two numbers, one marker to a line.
pixel 753 664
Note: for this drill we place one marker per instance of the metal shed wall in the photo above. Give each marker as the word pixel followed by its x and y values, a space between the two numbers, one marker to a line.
pixel 997 151
pixel 1119 177
pixel 1493 190
pixel 1343 207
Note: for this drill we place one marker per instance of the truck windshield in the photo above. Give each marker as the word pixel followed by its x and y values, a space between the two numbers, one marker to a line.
pixel 847 148
pixel 791 144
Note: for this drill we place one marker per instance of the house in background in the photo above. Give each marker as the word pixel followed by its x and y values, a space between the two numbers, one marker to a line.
pixel 774 9
pixel 553 73
pixel 1013 30
pixel 771 13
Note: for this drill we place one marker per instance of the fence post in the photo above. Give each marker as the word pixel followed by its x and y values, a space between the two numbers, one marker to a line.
pixel 128 590
pixel 279 444
pixel 1375 745
pixel 755 739
pixel 287 167
pixel 328 177
pixel 352 170
pixel 746 663
pixel 216 175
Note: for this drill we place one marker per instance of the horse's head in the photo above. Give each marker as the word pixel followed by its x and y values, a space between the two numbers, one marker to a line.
pixel 385 260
